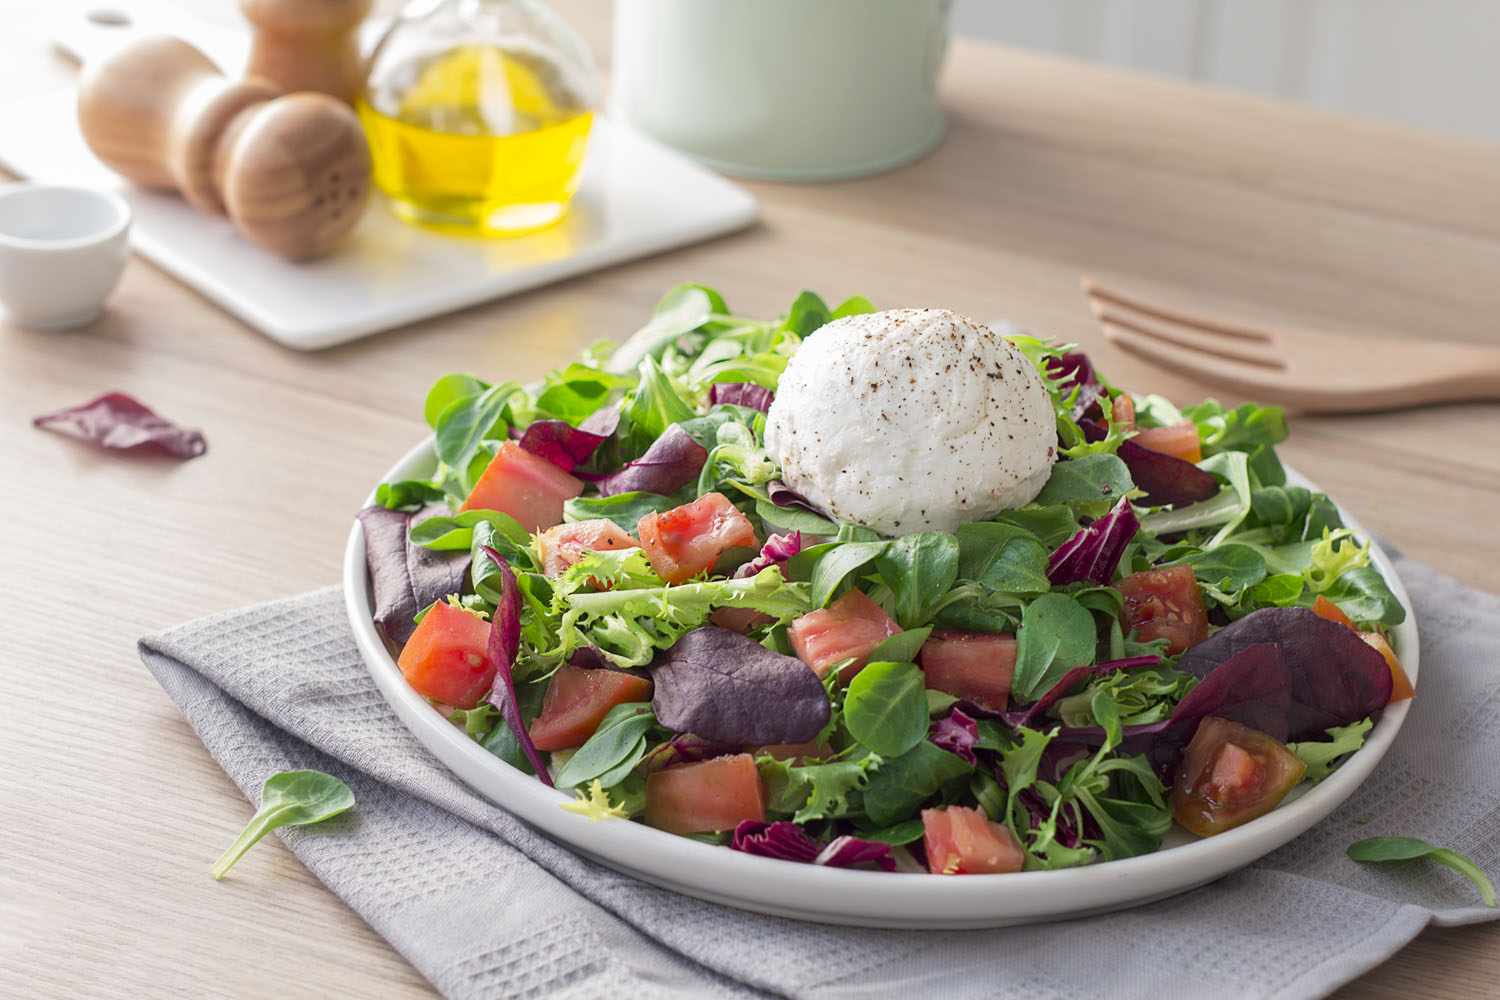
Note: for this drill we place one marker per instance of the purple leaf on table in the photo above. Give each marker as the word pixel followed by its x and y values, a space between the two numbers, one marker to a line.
pixel 118 421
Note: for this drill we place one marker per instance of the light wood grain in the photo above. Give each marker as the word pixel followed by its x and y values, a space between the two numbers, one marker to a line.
pixel 114 811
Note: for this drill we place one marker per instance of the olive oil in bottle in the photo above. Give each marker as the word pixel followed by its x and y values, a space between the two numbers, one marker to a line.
pixel 485 136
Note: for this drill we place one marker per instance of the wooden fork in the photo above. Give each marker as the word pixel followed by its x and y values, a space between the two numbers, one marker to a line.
pixel 1311 370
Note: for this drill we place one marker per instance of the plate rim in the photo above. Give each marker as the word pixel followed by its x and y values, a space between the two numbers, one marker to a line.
pixel 847 896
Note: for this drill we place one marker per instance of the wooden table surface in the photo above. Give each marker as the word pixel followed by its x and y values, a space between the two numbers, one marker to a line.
pixel 111 808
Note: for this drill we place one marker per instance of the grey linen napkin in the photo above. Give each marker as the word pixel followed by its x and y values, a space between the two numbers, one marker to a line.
pixel 484 906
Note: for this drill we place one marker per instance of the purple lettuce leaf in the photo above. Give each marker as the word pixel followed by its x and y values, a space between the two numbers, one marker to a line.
pixel 722 686
pixel 1166 479
pixel 672 461
pixel 118 421
pixel 783 495
pixel 956 733
pixel 787 841
pixel 749 394
pixel 1093 554
pixel 777 550
pixel 564 445
pixel 505 642
pixel 406 577
pixel 1066 683
pixel 1336 678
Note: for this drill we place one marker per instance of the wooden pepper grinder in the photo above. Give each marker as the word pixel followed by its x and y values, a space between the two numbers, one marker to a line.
pixel 308 45
pixel 292 172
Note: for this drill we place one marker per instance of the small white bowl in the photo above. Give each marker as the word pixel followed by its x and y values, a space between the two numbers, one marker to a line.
pixel 61 253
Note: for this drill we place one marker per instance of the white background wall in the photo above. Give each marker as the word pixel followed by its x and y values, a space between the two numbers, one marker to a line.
pixel 1433 63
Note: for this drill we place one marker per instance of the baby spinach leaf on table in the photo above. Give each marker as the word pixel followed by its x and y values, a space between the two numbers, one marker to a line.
pixel 902 647
pixel 723 686
pixel 406 578
pixel 903 783
pixel 886 707
pixel 1377 849
pixel 1002 557
pixel 1056 635
pixel 835 565
pixel 919 569
pixel 617 745
pixel 904 832
pixel 578 391
pixel 1229 567
pixel 1322 756
pixel 289 798
pixel 625 509
pixel 1364 596
pixel 118 421
pixel 1092 484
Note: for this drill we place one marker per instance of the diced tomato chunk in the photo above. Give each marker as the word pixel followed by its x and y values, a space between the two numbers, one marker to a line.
pixel 1401 687
pixel 740 620
pixel 1229 775
pixel 447 657
pixel 705 797
pixel 527 487
pixel 565 544
pixel 970 665
pixel 688 540
pixel 1324 608
pixel 851 626
pixel 964 841
pixel 577 700
pixel 1165 604
pixel 1179 440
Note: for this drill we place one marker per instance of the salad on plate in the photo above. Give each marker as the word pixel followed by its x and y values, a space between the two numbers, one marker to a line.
pixel 880 589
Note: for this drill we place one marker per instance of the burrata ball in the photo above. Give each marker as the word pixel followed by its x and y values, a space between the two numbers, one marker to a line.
pixel 912 420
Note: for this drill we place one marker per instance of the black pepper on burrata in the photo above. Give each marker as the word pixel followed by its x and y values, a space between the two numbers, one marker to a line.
pixel 912 420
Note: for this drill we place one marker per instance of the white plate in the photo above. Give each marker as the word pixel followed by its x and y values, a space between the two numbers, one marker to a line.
pixel 843 896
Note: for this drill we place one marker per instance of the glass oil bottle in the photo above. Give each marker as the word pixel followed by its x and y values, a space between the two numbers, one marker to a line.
pixel 478 115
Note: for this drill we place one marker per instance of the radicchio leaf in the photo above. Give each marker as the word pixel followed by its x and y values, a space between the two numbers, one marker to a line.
pixel 505 642
pixel 672 461
pixel 756 397
pixel 789 842
pixel 956 733
pixel 564 445
pixel 783 495
pixel 1336 678
pixel 725 687
pixel 1166 479
pixel 1094 552
pixel 777 550
pixel 116 420
pixel 406 577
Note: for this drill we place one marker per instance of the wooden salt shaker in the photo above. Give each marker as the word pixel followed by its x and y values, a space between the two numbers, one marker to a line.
pixel 308 45
pixel 292 172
